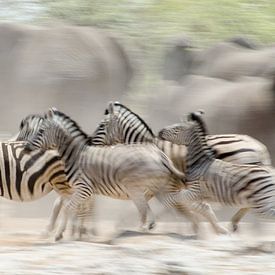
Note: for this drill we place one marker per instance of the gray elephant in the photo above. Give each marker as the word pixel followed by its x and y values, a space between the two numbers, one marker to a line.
pixel 227 60
pixel 77 69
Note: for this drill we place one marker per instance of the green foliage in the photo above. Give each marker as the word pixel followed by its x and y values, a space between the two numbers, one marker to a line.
pixel 154 21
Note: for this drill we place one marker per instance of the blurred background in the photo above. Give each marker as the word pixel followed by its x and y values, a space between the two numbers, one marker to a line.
pixel 160 58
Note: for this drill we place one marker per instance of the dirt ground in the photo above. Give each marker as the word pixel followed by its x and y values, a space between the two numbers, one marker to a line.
pixel 170 249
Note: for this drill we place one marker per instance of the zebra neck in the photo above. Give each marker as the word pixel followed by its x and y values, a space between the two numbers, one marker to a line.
pixel 199 157
pixel 137 136
pixel 70 153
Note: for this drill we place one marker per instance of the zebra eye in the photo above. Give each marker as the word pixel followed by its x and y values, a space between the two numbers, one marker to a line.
pixel 21 125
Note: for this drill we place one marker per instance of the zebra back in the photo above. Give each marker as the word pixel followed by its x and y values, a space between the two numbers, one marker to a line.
pixel 193 134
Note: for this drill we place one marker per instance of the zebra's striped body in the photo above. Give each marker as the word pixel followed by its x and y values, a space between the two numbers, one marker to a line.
pixel 29 176
pixel 247 186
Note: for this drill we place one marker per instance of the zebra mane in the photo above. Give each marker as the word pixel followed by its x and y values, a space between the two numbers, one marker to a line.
pixel 123 107
pixel 197 117
pixel 30 118
pixel 67 123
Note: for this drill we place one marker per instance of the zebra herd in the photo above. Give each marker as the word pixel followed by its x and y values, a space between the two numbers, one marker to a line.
pixel 182 167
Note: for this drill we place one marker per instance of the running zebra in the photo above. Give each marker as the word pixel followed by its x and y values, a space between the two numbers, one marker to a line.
pixel 121 125
pixel 28 129
pixel 247 186
pixel 136 172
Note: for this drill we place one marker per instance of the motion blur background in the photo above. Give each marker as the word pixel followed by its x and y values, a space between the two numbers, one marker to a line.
pixel 160 58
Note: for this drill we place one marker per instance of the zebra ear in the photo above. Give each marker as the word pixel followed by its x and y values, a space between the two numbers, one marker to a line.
pixel 111 108
pixel 201 112
pixel 51 112
pixel 196 115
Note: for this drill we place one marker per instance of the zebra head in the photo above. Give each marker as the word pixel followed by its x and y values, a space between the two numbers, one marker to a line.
pixel 55 130
pixel 185 132
pixel 125 126
pixel 112 121
pixel 108 132
pixel 29 127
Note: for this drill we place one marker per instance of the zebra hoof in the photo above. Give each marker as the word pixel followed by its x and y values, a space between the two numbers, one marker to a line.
pixel 235 227
pixel 151 226
pixel 147 227
pixel 58 237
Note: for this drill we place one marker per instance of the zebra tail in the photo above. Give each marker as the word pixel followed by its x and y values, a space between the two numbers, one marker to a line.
pixel 171 167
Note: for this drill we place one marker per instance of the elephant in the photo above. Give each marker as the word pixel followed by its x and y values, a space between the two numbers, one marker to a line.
pixel 227 60
pixel 74 68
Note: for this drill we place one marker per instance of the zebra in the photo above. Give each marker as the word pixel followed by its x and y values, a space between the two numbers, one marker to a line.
pixel 28 129
pixel 251 187
pixel 121 125
pixel 136 172
pixel 28 176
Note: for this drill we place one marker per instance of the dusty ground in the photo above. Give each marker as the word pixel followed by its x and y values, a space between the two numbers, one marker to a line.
pixel 24 251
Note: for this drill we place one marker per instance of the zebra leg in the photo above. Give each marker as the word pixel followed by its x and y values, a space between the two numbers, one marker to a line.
pixel 143 208
pixel 237 217
pixel 206 211
pixel 64 222
pixel 81 194
pixel 85 214
pixel 58 203
pixel 193 198
pixel 169 201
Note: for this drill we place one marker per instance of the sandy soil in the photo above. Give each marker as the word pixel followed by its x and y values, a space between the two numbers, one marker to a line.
pixel 24 251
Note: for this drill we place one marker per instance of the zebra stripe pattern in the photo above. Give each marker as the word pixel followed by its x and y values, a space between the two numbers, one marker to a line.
pixel 248 186
pixel 29 176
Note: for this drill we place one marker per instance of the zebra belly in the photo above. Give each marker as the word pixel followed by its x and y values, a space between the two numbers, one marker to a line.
pixel 237 185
